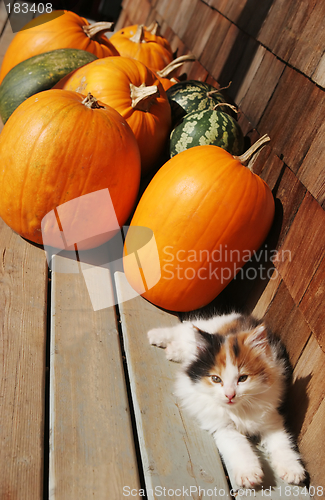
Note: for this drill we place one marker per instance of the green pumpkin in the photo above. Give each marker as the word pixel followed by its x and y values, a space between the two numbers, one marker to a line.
pixel 36 74
pixel 192 95
pixel 210 126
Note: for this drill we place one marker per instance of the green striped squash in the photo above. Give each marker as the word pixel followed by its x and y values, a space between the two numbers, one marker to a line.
pixel 36 74
pixel 192 95
pixel 210 126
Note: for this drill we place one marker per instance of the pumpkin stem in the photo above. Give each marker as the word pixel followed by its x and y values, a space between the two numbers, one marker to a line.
pixel 153 28
pixel 91 102
pixel 248 155
pixel 211 92
pixel 143 97
pixel 138 36
pixel 226 104
pixel 97 29
pixel 167 70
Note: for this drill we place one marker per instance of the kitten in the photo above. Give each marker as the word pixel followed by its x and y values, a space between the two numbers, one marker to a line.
pixel 233 380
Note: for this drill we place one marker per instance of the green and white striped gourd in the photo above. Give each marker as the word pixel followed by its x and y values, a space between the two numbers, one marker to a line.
pixel 192 95
pixel 209 126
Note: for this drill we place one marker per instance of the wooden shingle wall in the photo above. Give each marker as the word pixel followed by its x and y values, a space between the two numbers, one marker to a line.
pixel 273 53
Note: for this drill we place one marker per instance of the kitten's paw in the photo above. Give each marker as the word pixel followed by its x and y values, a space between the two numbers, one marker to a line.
pixel 175 351
pixel 158 337
pixel 291 472
pixel 247 477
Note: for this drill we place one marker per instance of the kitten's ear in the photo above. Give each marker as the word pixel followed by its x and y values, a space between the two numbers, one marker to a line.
pixel 258 337
pixel 202 338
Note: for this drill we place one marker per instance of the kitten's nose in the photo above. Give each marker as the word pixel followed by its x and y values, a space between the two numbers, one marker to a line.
pixel 230 394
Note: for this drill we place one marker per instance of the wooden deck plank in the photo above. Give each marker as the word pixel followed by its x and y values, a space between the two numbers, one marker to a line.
pixel 175 452
pixel 23 298
pixel 92 452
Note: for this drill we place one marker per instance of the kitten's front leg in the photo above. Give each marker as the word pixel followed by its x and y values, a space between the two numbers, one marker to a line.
pixel 239 458
pixel 284 458
pixel 179 341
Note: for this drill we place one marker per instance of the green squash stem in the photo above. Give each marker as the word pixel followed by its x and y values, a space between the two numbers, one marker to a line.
pixel 226 104
pixel 209 94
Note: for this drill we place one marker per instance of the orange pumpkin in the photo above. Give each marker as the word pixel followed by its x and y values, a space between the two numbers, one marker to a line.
pixel 208 214
pixel 151 33
pixel 69 159
pixel 57 30
pixel 144 47
pixel 135 92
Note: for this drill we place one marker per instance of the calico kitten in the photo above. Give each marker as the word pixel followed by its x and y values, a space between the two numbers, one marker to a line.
pixel 233 381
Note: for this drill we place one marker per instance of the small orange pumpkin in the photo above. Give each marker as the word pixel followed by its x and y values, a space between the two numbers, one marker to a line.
pixel 144 47
pixel 57 30
pixel 69 146
pixel 208 214
pixel 151 32
pixel 135 92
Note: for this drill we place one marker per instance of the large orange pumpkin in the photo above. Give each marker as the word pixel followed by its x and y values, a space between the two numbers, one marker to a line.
pixel 135 92
pixel 144 47
pixel 69 158
pixel 57 30
pixel 208 214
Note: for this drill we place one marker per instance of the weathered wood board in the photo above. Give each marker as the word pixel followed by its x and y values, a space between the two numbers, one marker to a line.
pixel 23 305
pixel 92 452
pixel 176 453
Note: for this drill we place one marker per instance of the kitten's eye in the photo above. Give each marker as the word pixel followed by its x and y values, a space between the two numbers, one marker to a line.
pixel 216 379
pixel 242 378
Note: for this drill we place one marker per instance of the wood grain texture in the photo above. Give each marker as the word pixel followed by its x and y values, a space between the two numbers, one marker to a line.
pixel 303 248
pixel 313 304
pixel 305 402
pixel 319 74
pixel 92 451
pixel 283 26
pixel 288 191
pixel 309 47
pixel 312 170
pixel 199 28
pixel 312 446
pixel 23 303
pixel 261 87
pixel 250 64
pixel 287 321
pixel 175 452
pixel 293 116
pixel 213 45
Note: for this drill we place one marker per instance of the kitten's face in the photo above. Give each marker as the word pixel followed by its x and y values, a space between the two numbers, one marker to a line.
pixel 234 368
